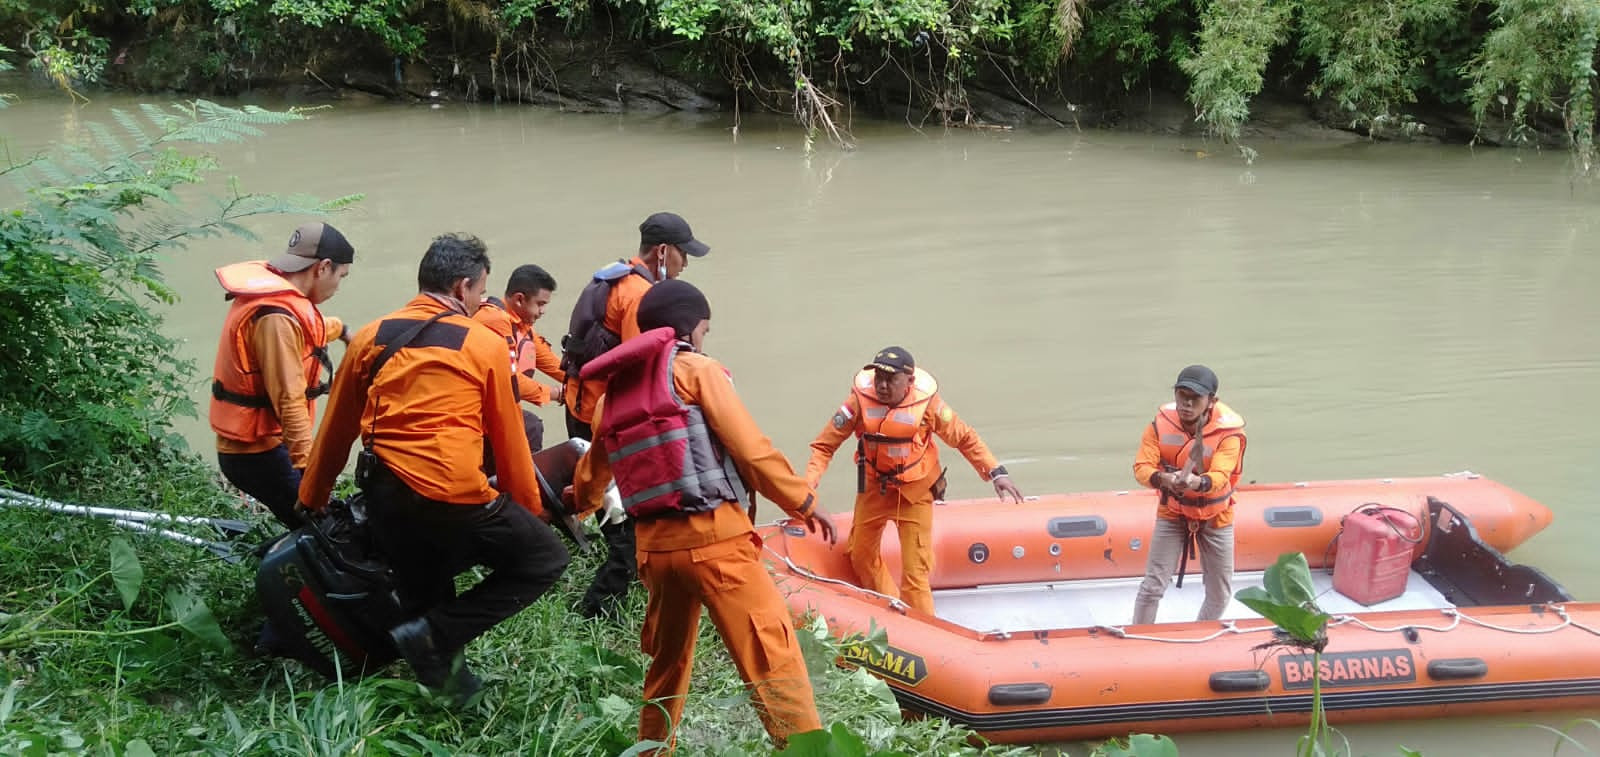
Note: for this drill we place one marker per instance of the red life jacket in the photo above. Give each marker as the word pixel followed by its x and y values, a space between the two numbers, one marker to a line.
pixel 663 455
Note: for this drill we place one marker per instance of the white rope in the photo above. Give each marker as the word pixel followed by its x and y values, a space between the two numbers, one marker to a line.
pixel 1339 620
pixel 1228 627
pixel 894 602
pixel 1456 617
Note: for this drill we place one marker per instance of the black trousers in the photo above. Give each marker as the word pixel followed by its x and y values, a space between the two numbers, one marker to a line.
pixel 621 568
pixel 532 427
pixel 428 543
pixel 617 574
pixel 269 477
pixel 578 429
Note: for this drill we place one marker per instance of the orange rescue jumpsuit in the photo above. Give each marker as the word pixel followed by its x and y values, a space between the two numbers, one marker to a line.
pixel 438 404
pixel 622 311
pixel 530 353
pixel 713 559
pixel 906 499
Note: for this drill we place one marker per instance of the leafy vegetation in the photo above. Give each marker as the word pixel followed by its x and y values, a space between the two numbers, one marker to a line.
pixel 1288 599
pixel 1383 66
pixel 89 379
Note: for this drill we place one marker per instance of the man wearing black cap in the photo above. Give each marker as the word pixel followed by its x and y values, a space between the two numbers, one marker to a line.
pixel 1193 453
pixel 606 315
pixel 698 548
pixel 270 364
pixel 894 410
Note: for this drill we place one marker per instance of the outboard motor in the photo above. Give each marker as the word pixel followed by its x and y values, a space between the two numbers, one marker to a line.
pixel 331 598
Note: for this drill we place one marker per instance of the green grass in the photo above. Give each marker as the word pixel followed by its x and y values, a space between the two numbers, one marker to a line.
pixel 557 684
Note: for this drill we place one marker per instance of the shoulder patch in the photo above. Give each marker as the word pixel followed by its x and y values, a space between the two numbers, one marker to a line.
pixel 840 420
pixel 945 414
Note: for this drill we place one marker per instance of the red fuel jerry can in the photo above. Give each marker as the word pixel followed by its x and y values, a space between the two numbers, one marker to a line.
pixel 1376 544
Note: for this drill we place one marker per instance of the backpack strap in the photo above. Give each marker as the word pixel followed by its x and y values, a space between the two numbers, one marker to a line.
pixel 400 342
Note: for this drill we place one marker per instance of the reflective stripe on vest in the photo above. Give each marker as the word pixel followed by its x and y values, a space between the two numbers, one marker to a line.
pixel 893 441
pixel 1176 446
pixel 664 457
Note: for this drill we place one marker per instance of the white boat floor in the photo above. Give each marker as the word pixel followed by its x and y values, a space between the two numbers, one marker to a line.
pixel 1051 605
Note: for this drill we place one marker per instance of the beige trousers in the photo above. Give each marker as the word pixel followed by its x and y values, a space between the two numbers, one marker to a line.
pixel 1216 561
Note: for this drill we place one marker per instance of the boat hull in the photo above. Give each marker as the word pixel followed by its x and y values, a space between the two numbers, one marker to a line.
pixel 1108 680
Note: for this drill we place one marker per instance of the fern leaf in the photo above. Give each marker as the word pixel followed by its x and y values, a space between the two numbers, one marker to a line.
pixel 104 140
pixel 131 125
pixel 159 117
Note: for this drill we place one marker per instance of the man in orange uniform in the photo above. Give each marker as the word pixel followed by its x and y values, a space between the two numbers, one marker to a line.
pixel 681 456
pixel 528 292
pixel 602 322
pixel 605 316
pixel 1193 453
pixel 424 387
pixel 270 359
pixel 894 410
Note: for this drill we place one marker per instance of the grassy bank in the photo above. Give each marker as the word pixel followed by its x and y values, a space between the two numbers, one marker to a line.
pixel 556 684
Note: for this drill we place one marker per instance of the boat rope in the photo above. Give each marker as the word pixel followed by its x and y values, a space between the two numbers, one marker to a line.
pixel 1456 618
pixel 1339 620
pixel 894 602
pixel 1228 627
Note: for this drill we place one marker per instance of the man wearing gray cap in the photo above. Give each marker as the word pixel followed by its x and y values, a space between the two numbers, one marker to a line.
pixel 271 364
pixel 1193 453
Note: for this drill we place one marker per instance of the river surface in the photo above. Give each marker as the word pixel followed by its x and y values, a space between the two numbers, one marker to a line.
pixel 1374 310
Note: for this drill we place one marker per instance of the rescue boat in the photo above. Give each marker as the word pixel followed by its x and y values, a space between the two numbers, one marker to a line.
pixel 1032 640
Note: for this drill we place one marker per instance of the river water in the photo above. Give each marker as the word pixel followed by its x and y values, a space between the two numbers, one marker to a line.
pixel 1374 310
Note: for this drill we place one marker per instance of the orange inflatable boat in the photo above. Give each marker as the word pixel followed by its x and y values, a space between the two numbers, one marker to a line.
pixel 1032 641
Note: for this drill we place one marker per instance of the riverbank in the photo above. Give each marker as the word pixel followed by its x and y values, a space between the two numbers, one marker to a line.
pixel 1239 70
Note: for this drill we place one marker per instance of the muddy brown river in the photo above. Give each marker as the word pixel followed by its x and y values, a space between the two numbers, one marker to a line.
pixel 1373 310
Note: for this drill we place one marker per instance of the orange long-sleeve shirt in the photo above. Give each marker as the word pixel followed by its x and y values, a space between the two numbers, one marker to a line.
pixel 622 318
pixel 428 412
pixel 702 381
pixel 528 351
pixel 939 418
pixel 276 344
pixel 1223 462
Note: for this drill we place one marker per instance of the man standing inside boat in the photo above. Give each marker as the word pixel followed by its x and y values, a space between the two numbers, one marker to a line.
pixel 1193 453
pixel 674 435
pixel 894 411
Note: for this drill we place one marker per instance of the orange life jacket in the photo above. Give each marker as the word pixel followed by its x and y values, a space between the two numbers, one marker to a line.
pixel 1177 444
pixel 893 441
pixel 520 342
pixel 240 408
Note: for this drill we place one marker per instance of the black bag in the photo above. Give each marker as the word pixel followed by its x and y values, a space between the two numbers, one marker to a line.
pixel 329 598
pixel 587 337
